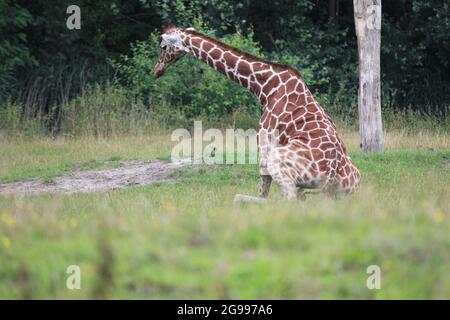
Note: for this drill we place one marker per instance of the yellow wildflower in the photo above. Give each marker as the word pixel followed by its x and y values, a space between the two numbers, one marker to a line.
pixel 438 216
pixel 73 223
pixel 386 265
pixel 6 242
pixel 8 219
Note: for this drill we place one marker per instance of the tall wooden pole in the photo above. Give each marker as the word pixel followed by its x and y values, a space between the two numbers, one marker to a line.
pixel 368 33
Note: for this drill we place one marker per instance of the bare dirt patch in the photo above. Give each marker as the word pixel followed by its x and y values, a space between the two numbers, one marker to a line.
pixel 131 173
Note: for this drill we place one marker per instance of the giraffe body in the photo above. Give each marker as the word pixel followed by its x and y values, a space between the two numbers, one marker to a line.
pixel 307 152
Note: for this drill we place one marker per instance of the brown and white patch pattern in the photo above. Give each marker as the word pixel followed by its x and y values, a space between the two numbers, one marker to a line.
pixel 308 152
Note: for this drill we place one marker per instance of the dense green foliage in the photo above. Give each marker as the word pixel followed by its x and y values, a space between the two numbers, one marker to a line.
pixel 14 52
pixel 44 65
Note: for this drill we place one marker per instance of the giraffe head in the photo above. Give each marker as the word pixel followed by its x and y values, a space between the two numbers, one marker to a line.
pixel 171 47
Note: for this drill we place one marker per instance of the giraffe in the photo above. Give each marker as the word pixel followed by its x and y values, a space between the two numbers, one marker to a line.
pixel 298 142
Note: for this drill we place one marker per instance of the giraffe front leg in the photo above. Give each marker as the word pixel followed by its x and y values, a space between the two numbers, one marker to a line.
pixel 264 185
pixel 265 181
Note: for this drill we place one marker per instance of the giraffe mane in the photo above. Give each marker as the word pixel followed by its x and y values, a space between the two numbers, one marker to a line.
pixel 243 53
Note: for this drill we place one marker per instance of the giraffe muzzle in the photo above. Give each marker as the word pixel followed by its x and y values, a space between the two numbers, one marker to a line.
pixel 159 70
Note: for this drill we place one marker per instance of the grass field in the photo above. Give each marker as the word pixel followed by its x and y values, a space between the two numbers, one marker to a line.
pixel 188 240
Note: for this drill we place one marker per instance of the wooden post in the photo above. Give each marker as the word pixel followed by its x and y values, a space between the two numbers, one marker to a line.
pixel 368 33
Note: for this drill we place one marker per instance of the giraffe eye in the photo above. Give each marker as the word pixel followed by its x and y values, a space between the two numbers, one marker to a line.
pixel 163 46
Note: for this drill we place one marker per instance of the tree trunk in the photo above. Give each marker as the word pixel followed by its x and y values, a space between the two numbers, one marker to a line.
pixel 368 33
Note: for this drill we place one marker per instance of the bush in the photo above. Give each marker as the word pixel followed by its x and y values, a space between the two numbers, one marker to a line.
pixel 12 120
pixel 106 111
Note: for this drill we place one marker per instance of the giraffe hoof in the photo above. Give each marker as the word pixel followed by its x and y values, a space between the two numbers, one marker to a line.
pixel 239 198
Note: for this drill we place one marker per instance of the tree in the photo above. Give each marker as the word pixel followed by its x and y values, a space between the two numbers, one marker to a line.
pixel 368 32
pixel 14 51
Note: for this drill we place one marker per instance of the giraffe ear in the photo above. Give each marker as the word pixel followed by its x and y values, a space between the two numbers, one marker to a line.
pixel 190 29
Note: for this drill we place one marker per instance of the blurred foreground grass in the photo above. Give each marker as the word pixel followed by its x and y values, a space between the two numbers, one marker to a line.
pixel 187 240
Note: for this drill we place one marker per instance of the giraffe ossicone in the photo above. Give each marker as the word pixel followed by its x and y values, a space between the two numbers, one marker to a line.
pixel 308 153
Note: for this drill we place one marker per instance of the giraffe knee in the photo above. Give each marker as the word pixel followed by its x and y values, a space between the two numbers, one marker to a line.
pixel 289 192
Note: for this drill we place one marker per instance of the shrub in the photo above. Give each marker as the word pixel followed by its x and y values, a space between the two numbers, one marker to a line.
pixel 105 111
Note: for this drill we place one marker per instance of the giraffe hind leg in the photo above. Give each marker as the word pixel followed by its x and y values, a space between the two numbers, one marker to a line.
pixel 301 194
pixel 291 173
pixel 287 186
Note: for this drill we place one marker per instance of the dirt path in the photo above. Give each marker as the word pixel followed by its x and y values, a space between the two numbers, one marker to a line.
pixel 131 173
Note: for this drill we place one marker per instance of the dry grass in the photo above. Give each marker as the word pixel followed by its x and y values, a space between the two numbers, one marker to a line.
pixel 420 140
pixel 48 157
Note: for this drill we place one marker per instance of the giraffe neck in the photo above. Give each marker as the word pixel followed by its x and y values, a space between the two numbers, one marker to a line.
pixel 248 71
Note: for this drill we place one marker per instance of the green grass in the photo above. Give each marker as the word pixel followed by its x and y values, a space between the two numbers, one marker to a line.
pixel 187 240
